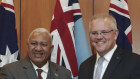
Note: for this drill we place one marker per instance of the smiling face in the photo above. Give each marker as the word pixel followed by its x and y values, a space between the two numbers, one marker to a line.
pixel 103 36
pixel 39 48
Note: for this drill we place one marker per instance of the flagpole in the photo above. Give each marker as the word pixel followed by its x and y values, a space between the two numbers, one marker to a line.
pixel 92 48
pixel 93 7
pixel 20 29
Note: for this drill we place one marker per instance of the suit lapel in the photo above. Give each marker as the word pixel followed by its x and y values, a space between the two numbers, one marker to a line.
pixel 91 66
pixel 28 69
pixel 53 71
pixel 112 64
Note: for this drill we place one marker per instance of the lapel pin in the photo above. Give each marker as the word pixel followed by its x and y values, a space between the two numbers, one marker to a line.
pixel 56 74
pixel 117 57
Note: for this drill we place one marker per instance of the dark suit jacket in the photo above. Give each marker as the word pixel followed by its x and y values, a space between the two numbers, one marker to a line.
pixel 123 65
pixel 23 69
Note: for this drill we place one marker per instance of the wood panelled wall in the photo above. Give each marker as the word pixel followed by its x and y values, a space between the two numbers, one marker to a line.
pixel 34 14
pixel 38 13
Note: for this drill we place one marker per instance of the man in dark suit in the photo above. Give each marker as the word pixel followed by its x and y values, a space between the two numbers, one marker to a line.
pixel 116 63
pixel 39 50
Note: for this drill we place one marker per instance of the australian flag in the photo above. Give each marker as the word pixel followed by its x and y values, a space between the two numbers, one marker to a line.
pixel 119 9
pixel 8 37
pixel 70 42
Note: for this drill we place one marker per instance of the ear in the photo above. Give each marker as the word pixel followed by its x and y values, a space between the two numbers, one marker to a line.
pixel 27 45
pixel 51 49
pixel 116 34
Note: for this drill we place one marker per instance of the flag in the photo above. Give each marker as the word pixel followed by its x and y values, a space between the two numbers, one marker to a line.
pixel 71 46
pixel 8 38
pixel 119 9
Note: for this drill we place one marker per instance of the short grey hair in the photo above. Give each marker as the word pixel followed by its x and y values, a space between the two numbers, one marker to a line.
pixel 104 16
pixel 40 30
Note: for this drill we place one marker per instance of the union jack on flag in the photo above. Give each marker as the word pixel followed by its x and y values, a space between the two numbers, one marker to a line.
pixel 71 47
pixel 8 39
pixel 119 9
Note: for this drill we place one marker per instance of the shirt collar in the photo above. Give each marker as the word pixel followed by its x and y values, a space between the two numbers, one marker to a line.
pixel 108 55
pixel 44 68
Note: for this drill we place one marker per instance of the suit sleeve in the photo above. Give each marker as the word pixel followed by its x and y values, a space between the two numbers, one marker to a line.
pixel 5 73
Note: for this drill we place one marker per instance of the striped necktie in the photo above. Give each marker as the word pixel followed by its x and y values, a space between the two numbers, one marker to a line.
pixel 39 73
pixel 99 68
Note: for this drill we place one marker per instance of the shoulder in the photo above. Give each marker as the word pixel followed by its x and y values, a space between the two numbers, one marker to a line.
pixel 12 65
pixel 58 67
pixel 60 70
pixel 90 61
pixel 8 69
pixel 15 65
pixel 129 55
pixel 15 70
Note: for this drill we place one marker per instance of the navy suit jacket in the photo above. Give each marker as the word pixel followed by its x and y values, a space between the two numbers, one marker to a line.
pixel 123 65
pixel 23 69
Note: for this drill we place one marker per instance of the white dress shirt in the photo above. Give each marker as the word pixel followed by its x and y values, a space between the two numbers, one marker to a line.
pixel 105 62
pixel 45 69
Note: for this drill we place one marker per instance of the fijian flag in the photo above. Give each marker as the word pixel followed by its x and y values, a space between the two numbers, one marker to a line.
pixel 71 46
pixel 119 9
pixel 8 36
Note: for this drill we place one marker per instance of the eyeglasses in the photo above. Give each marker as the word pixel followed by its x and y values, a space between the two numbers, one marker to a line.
pixel 95 33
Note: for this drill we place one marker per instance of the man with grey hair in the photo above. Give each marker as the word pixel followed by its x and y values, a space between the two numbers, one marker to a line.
pixel 36 65
pixel 110 61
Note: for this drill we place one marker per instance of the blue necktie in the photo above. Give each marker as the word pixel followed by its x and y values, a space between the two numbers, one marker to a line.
pixel 99 68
